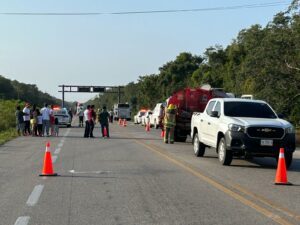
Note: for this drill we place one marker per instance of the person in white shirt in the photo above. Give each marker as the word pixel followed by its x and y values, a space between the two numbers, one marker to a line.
pixel 87 121
pixel 46 112
pixel 26 118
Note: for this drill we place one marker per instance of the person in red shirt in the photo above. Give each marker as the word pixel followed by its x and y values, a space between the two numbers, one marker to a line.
pixel 92 119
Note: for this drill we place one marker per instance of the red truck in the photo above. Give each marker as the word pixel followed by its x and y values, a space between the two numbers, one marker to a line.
pixel 188 101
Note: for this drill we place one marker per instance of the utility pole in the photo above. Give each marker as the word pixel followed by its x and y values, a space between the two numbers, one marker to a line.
pixel 63 96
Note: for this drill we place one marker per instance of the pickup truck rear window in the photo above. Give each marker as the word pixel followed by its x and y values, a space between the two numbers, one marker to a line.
pixel 248 109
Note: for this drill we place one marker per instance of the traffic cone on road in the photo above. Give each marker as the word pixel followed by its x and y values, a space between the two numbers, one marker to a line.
pixel 162 134
pixel 125 123
pixel 120 121
pixel 47 168
pixel 281 175
pixel 147 127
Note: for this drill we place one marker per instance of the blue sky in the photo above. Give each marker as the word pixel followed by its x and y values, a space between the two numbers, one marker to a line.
pixel 112 49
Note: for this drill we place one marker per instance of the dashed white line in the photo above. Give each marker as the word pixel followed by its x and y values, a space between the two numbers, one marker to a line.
pixel 60 145
pixel 35 195
pixel 22 220
pixel 54 158
pixel 57 151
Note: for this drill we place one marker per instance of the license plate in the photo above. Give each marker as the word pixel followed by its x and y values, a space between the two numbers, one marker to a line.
pixel 266 142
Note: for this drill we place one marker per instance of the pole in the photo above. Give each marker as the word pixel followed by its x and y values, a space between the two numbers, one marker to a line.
pixel 119 94
pixel 63 96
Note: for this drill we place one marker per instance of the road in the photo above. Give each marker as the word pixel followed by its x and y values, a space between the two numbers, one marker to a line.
pixel 134 178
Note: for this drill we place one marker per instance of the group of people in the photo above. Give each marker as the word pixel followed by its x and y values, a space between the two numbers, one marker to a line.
pixel 91 117
pixel 36 122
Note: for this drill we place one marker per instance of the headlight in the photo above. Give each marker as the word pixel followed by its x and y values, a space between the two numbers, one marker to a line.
pixel 290 130
pixel 236 127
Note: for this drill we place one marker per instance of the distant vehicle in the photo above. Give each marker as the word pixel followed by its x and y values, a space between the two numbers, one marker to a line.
pixel 63 116
pixel 155 116
pixel 122 111
pixel 138 116
pixel 247 97
pixel 243 128
pixel 146 118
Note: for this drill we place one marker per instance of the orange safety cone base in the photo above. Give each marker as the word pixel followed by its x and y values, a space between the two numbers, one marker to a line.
pixel 48 175
pixel 283 183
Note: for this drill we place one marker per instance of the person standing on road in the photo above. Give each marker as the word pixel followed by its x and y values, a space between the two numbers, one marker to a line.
pixel 80 115
pixel 169 123
pixel 20 121
pixel 86 120
pixel 92 119
pixel 70 114
pixel 46 112
pixel 26 118
pixel 104 118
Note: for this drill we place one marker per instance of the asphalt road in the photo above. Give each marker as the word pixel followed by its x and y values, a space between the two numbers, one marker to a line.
pixel 133 178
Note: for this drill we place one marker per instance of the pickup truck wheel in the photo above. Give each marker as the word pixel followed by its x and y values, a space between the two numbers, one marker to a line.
pixel 224 155
pixel 199 148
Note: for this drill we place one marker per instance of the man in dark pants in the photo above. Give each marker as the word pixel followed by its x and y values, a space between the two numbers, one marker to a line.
pixel 87 121
pixel 92 119
pixel 104 121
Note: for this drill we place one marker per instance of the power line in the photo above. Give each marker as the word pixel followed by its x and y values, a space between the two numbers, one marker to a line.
pixel 220 8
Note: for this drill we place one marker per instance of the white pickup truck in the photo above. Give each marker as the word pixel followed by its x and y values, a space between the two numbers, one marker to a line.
pixel 241 127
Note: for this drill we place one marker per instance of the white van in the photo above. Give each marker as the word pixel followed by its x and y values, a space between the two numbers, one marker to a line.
pixel 155 117
pixel 122 111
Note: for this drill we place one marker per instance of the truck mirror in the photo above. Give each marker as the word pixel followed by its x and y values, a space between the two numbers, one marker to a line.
pixel 280 115
pixel 214 114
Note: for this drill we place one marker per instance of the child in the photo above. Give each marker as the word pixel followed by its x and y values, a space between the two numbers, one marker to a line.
pixel 56 127
pixel 39 123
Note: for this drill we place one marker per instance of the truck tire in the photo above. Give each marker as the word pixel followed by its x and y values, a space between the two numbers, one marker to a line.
pixel 199 148
pixel 224 155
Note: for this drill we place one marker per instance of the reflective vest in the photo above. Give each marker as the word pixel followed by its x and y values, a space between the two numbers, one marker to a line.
pixel 170 118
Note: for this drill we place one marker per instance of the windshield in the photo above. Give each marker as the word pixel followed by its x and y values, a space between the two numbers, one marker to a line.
pixel 60 112
pixel 248 109
pixel 123 105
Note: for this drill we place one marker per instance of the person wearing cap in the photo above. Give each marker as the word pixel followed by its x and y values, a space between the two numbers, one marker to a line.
pixel 26 117
pixel 169 123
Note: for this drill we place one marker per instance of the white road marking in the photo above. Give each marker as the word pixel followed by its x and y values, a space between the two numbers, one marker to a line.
pixel 54 158
pixel 57 151
pixel 83 172
pixel 22 220
pixel 35 195
pixel 60 145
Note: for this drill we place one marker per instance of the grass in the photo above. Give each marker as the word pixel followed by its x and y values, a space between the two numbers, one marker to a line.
pixel 8 135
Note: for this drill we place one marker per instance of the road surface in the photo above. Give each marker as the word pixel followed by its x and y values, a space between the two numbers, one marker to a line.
pixel 134 178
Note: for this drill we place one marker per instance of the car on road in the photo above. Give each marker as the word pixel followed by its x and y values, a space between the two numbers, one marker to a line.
pixel 146 117
pixel 155 116
pixel 63 116
pixel 138 116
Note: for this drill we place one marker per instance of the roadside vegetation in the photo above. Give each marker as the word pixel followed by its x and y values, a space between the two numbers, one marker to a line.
pixel 262 61
pixel 7 120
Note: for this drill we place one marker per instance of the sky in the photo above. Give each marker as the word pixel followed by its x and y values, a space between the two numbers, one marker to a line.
pixel 110 49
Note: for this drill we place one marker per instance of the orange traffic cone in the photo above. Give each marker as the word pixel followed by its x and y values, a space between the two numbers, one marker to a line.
pixel 120 121
pixel 125 123
pixel 147 127
pixel 162 134
pixel 104 132
pixel 47 168
pixel 281 175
